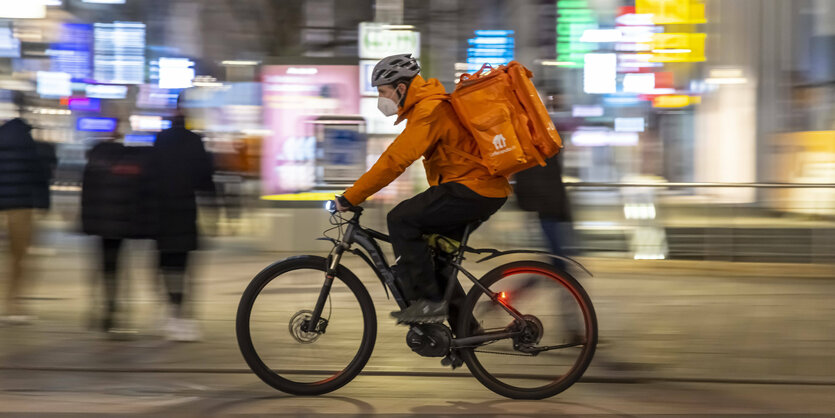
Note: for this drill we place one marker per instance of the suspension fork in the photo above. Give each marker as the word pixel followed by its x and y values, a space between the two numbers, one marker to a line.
pixel 334 258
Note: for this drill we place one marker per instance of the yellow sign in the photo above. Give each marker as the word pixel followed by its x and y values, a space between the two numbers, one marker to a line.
pixel 678 47
pixel 671 12
pixel 304 196
pixel 301 197
pixel 675 100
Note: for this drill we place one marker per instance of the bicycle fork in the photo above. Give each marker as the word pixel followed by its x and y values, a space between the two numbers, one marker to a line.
pixel 334 258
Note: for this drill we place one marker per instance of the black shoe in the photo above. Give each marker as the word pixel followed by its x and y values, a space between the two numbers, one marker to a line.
pixel 422 312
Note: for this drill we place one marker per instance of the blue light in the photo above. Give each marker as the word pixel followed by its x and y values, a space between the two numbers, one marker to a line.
pixel 498 53
pixel 493 42
pixel 96 124
pixel 494 33
pixel 84 104
pixel 72 53
pixel 9 45
pixel 621 100
pixel 495 47
pixel 140 138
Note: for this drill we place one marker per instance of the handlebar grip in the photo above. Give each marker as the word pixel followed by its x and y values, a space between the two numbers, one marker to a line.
pixel 331 205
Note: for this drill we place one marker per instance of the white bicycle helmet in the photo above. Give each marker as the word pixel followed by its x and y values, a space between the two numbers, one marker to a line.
pixel 393 68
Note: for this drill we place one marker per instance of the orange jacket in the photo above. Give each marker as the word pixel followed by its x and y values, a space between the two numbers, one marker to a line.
pixel 431 121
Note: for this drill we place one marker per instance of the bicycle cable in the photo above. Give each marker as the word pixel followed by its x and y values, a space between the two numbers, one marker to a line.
pixel 330 308
pixel 338 221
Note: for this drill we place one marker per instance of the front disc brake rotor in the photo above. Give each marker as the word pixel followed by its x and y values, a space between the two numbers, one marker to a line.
pixel 302 318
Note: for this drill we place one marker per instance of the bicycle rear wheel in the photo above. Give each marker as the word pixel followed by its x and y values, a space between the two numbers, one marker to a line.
pixel 272 332
pixel 558 315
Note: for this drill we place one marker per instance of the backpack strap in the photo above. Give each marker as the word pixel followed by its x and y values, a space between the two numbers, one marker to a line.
pixel 462 154
pixel 466 76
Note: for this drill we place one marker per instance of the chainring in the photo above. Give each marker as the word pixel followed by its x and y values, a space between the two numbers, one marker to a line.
pixel 429 340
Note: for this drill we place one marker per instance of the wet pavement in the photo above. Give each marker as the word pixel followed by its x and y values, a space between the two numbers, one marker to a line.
pixel 676 337
pixel 210 394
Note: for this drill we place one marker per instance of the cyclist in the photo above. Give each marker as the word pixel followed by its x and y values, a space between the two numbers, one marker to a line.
pixel 461 191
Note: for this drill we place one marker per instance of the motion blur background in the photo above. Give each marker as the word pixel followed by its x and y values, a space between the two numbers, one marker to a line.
pixel 699 137
pixel 644 92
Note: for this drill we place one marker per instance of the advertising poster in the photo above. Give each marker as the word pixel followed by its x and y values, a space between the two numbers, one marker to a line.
pixel 294 96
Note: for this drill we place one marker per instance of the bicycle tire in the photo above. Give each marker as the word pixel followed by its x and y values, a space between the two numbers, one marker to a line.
pixel 271 377
pixel 590 321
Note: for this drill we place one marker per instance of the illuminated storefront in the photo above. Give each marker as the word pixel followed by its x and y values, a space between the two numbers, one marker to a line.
pixel 294 98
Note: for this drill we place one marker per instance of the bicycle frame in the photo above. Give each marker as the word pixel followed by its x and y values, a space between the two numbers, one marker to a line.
pixel 366 239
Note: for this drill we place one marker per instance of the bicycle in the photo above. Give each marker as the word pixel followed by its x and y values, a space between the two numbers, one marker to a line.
pixel 500 316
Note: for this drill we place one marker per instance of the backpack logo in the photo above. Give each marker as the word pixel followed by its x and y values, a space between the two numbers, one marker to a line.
pixel 499 142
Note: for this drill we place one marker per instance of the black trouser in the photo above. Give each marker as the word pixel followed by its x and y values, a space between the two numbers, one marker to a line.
pixel 445 209
pixel 110 262
pixel 172 265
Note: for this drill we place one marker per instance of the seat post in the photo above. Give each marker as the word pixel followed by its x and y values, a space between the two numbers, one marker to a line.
pixel 453 279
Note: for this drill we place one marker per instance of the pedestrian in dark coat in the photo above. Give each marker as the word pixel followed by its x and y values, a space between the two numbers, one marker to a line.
pixel 24 173
pixel 541 190
pixel 24 187
pixel 181 169
pixel 114 207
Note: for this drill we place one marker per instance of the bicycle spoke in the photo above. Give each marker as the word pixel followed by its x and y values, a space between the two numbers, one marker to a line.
pixel 283 346
pixel 550 340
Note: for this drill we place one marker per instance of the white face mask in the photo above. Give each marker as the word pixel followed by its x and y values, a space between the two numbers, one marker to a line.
pixel 387 106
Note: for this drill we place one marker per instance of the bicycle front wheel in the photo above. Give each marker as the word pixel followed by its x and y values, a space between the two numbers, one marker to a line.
pixel 559 338
pixel 280 344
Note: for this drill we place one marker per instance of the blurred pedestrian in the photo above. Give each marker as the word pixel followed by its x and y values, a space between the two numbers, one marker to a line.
pixel 541 190
pixel 181 168
pixel 24 186
pixel 113 207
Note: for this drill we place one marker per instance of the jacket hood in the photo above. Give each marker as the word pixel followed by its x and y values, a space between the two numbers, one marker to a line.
pixel 17 124
pixel 16 133
pixel 419 90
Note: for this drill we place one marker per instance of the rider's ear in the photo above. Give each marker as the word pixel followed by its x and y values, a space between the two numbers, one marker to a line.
pixel 401 93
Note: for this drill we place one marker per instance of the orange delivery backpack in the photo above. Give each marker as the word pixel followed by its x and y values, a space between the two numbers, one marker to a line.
pixel 508 120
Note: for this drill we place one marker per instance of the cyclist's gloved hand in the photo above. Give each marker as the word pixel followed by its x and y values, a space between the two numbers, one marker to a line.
pixel 342 204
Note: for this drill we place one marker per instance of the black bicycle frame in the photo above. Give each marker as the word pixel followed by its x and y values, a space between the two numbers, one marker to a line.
pixel 366 239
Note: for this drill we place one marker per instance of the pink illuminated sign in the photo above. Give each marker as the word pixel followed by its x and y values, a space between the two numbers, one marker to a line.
pixel 295 95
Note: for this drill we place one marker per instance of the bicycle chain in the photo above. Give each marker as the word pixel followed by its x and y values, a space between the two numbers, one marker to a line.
pixel 498 352
pixel 502 353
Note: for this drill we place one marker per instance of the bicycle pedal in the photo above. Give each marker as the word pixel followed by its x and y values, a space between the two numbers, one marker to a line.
pixel 452 361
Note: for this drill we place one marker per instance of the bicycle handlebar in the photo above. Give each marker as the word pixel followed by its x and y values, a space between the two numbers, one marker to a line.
pixel 330 206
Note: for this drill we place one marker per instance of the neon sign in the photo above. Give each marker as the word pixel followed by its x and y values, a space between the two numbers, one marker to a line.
pixel 574 17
